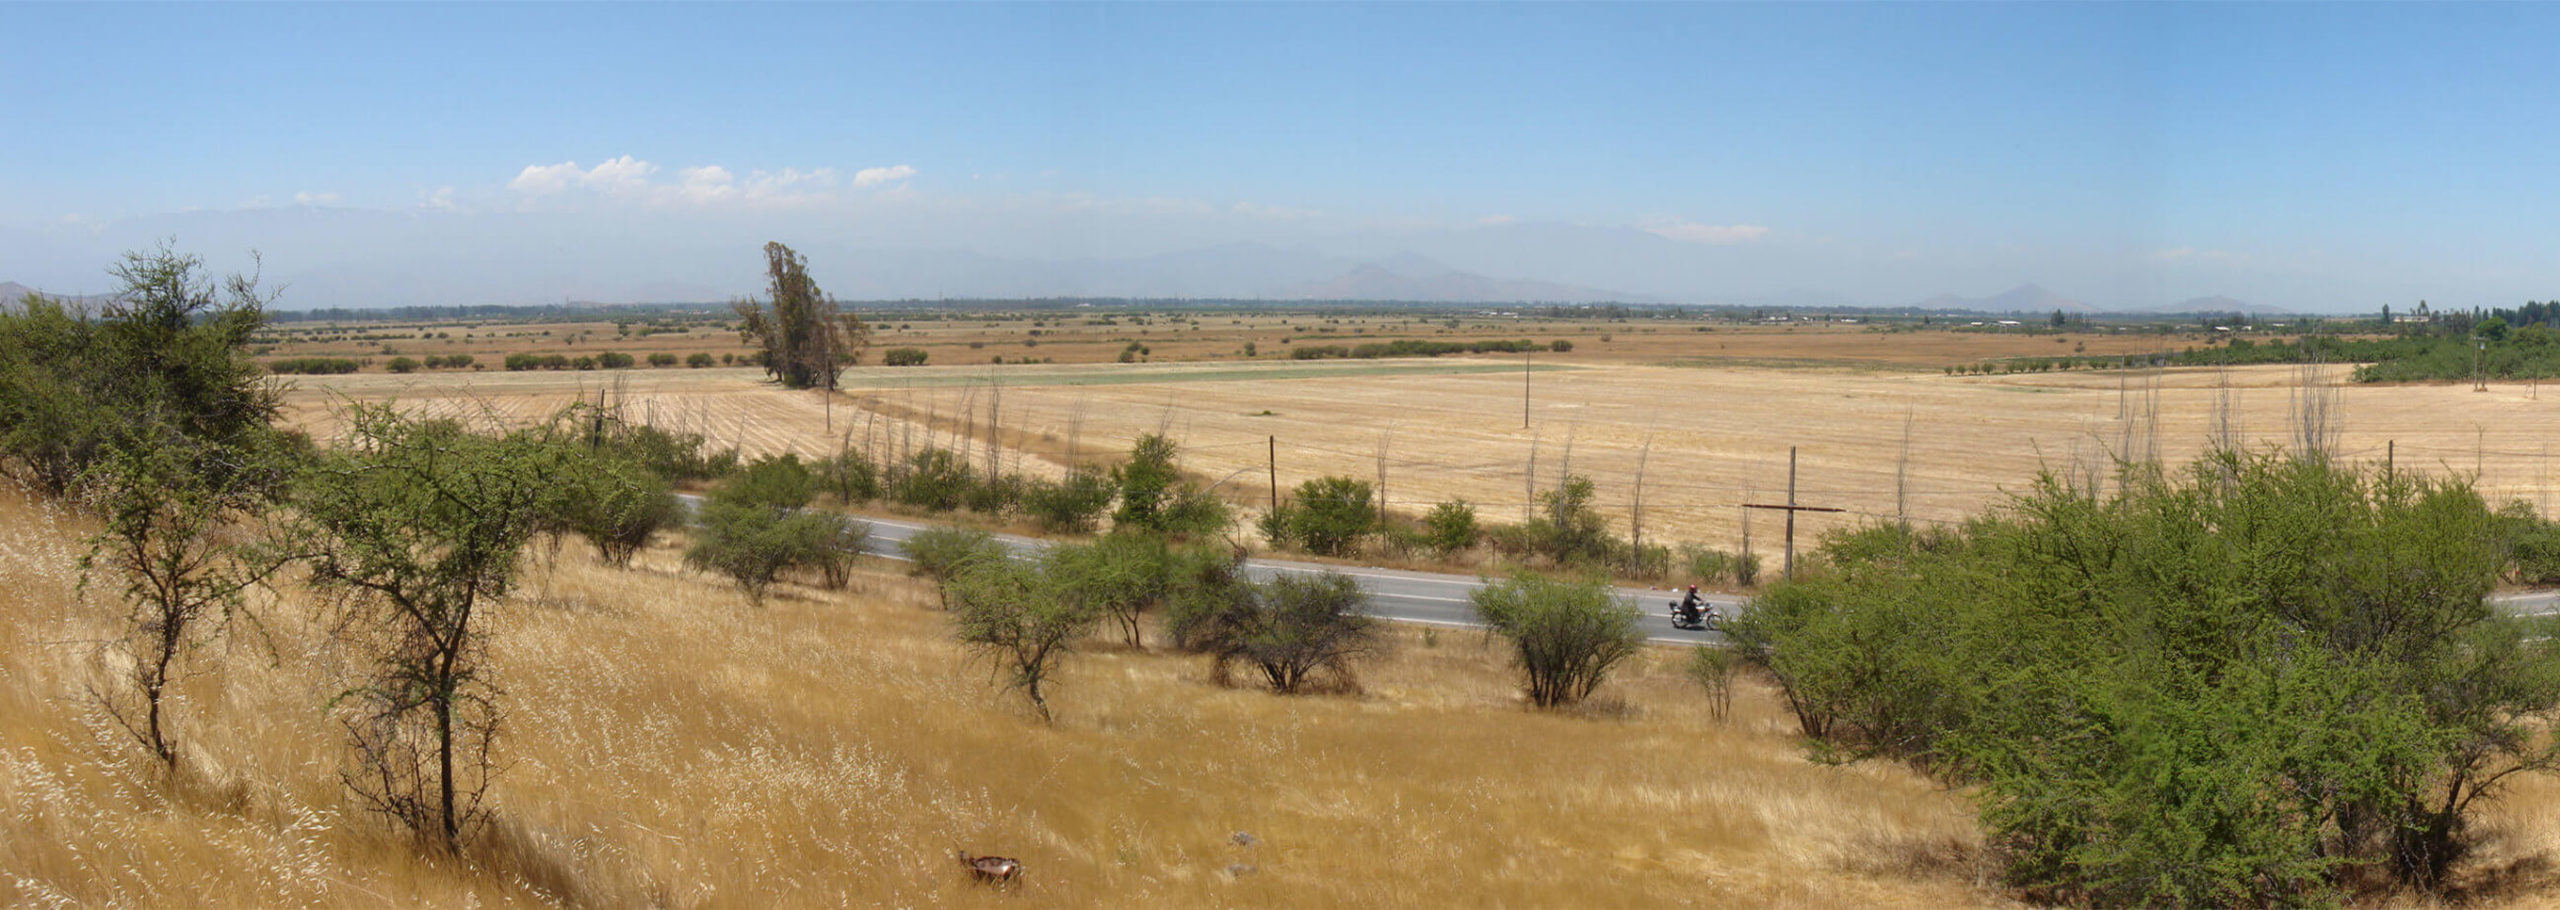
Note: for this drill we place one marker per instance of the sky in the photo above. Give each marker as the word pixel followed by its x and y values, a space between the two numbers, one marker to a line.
pixel 2328 158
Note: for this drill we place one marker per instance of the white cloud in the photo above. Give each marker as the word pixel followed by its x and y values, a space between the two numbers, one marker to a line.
pixel 315 198
pixel 441 200
pixel 1273 212
pixel 1713 234
pixel 635 180
pixel 870 176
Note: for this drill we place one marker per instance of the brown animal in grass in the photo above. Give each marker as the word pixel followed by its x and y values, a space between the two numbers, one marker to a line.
pixel 992 870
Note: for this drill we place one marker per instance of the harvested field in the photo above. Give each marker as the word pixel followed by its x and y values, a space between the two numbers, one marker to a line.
pixel 1451 427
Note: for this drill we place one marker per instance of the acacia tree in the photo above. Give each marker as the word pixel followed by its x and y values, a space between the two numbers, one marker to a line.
pixel 1567 634
pixel 170 347
pixel 419 527
pixel 1022 618
pixel 805 339
pixel 1291 627
pixel 170 537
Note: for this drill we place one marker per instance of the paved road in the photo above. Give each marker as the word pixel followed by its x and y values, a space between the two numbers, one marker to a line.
pixel 1441 600
pixel 1418 597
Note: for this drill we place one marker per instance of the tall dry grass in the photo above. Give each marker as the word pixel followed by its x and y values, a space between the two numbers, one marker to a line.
pixel 669 745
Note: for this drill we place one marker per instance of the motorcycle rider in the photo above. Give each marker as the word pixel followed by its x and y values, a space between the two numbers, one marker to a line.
pixel 1690 609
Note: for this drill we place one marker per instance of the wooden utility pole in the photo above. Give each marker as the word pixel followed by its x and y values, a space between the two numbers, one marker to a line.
pixel 1791 508
pixel 1274 442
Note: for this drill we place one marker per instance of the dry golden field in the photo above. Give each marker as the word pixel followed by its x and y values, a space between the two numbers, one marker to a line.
pixel 1071 337
pixel 669 745
pixel 1719 432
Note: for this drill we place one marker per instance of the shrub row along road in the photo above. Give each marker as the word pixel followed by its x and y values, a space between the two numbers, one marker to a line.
pixel 1438 599
pixel 1415 597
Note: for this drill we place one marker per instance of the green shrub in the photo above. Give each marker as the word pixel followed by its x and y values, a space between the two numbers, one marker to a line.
pixel 932 479
pixel 903 357
pixel 697 360
pixel 1566 635
pixel 2254 682
pixel 1072 506
pixel 315 366
pixel 1451 527
pixel 1292 628
pixel 662 359
pixel 1328 517
pixel 941 553
pixel 613 360
pixel 403 365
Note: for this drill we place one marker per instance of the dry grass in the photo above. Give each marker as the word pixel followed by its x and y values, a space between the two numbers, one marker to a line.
pixel 670 745
pixel 1720 434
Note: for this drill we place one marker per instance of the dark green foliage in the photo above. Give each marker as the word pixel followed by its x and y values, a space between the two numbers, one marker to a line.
pixel 674 456
pixel 780 483
pixel 662 359
pixel 903 357
pixel 619 506
pixel 993 496
pixel 1072 506
pixel 1328 517
pixel 1155 499
pixel 1451 527
pixel 850 476
pixel 839 543
pixel 754 545
pixel 168 351
pixel 1146 483
pixel 2533 545
pixel 934 479
pixel 1568 528
pixel 942 553
pixel 697 360
pixel 2251 683
pixel 1566 634
pixel 1120 577
pixel 403 365
pixel 756 526
pixel 316 366
pixel 614 360
pixel 802 340
pixel 1291 628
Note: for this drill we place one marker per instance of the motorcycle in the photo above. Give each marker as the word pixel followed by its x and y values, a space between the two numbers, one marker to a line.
pixel 1701 619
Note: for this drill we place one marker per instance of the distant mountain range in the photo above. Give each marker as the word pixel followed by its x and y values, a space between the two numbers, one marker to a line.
pixel 2025 298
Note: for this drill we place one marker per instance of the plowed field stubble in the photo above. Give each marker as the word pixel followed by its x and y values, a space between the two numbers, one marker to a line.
pixel 1874 439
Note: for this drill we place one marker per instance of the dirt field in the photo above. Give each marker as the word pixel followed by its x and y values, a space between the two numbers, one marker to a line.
pixel 1101 337
pixel 1450 427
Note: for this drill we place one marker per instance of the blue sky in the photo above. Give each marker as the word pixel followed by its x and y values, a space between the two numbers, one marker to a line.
pixel 2309 156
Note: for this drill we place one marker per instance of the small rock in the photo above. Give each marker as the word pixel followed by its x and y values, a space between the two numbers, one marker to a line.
pixel 1242 839
pixel 1239 870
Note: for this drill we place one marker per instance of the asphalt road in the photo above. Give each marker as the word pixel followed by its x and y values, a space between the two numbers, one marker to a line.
pixel 1441 600
pixel 1416 597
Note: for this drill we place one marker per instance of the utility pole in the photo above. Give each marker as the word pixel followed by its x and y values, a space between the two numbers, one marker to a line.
pixel 1275 471
pixel 1791 508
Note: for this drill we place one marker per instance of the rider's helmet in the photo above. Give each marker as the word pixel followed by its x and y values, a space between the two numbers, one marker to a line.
pixel 1693 589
